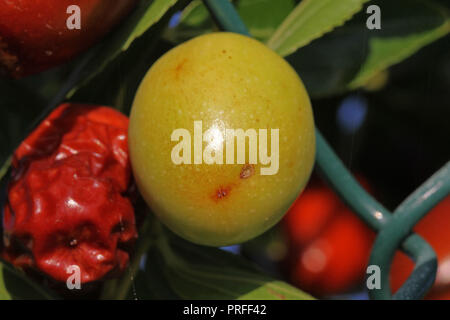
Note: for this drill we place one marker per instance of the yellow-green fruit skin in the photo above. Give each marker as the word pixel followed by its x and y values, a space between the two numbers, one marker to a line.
pixel 228 81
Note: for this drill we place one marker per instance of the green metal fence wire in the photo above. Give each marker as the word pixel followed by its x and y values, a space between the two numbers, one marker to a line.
pixel 394 229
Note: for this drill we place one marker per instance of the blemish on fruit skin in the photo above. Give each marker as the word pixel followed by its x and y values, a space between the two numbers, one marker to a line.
pixel 221 193
pixel 247 171
pixel 225 52
pixel 179 68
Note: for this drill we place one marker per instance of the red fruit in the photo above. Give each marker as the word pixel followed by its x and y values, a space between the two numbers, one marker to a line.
pixel 435 229
pixel 329 246
pixel 67 197
pixel 309 215
pixel 34 34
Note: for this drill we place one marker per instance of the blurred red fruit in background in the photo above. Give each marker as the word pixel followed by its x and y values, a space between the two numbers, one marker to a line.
pixel 435 229
pixel 328 245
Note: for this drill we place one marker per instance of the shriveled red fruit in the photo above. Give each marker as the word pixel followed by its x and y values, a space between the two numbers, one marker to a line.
pixel 34 34
pixel 434 228
pixel 328 246
pixel 68 197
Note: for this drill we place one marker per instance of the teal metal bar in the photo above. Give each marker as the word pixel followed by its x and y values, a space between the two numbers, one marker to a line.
pixel 379 218
pixel 371 211
pixel 225 16
pixel 346 186
pixel 405 217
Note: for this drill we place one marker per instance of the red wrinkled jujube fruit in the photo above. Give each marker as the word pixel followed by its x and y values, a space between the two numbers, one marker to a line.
pixel 68 197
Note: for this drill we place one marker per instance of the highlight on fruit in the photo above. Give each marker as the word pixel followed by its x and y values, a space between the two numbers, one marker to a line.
pixel 219 138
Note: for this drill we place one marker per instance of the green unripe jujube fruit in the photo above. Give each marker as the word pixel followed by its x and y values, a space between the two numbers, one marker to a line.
pixel 214 83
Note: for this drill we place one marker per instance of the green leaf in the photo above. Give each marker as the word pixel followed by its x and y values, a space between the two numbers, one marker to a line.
pixel 198 272
pixel 151 15
pixel 146 14
pixel 328 64
pixel 407 26
pixel 195 14
pixel 310 20
pixel 352 54
pixel 262 17
pixel 15 285
pixel 151 283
